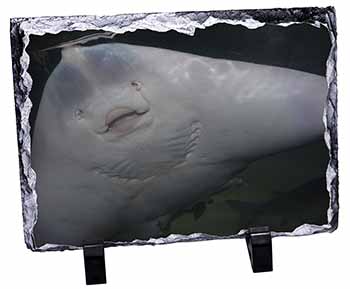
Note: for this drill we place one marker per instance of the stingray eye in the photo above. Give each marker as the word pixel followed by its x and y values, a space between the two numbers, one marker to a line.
pixel 136 84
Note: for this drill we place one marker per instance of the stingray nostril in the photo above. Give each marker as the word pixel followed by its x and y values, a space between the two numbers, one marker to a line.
pixel 136 84
pixel 79 114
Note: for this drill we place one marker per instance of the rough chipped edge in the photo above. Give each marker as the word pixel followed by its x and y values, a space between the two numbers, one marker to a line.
pixel 182 22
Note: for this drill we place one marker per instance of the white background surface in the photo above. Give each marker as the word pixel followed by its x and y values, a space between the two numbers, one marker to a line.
pixel 319 261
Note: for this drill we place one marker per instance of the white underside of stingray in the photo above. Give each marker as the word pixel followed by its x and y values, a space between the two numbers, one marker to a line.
pixel 127 135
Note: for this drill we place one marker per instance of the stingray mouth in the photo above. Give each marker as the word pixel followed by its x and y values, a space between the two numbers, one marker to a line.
pixel 123 121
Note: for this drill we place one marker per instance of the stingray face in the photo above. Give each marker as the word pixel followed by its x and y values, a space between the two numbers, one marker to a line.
pixel 115 115
pixel 96 88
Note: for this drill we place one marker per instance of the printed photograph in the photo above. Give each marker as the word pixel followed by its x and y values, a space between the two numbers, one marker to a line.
pixel 146 134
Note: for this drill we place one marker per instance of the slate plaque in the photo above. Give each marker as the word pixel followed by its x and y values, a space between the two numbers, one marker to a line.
pixel 166 127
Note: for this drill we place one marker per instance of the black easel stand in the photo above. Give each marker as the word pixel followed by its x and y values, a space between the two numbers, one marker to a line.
pixel 259 243
pixel 94 260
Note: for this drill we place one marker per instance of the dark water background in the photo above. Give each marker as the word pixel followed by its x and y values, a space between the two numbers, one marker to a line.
pixel 282 191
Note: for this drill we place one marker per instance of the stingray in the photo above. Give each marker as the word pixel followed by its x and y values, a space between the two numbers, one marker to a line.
pixel 128 135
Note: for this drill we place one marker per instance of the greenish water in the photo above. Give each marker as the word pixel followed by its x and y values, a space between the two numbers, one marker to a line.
pixel 282 191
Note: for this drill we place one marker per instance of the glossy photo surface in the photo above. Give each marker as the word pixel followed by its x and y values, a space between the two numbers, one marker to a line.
pixel 146 134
